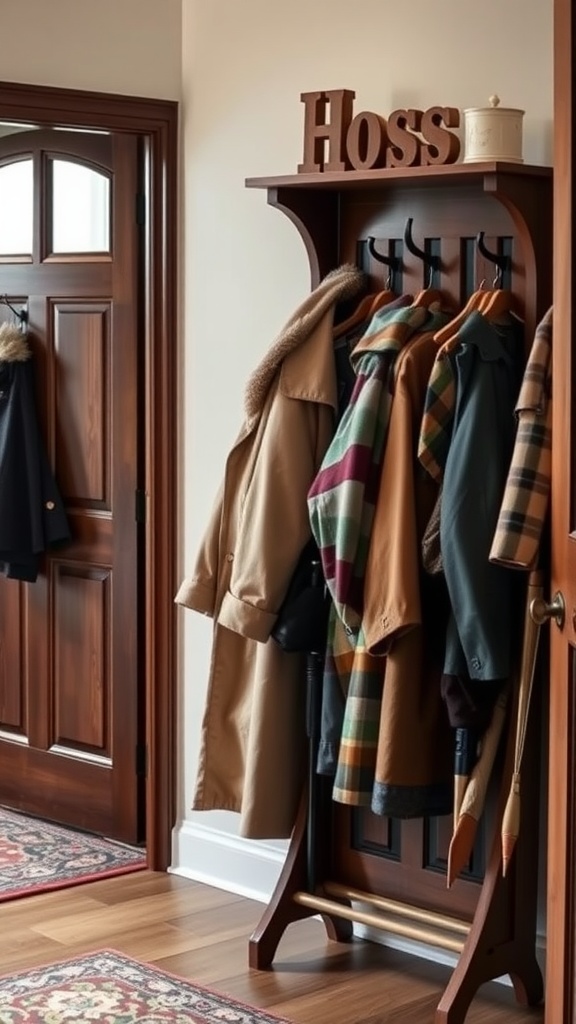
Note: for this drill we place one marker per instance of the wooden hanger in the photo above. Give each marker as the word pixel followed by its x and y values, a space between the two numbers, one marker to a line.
pixel 370 304
pixel 447 337
pixel 426 297
pixel 499 303
pixel 365 310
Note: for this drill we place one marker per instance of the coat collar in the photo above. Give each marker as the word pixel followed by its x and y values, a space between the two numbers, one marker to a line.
pixel 13 345
pixel 301 376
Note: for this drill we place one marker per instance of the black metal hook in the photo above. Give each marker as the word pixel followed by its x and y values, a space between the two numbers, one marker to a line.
pixel 20 313
pixel 428 258
pixel 502 262
pixel 392 262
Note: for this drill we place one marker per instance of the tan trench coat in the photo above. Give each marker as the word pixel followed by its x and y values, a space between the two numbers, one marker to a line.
pixel 253 753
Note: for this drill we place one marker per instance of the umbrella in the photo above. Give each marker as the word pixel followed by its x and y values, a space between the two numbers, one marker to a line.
pixel 472 804
pixel 511 818
pixel 465 757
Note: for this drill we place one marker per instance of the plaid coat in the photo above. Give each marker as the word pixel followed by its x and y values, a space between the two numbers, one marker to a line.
pixel 525 504
pixel 388 699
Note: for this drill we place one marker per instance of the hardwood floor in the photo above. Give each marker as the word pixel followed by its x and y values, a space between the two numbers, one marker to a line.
pixel 201 933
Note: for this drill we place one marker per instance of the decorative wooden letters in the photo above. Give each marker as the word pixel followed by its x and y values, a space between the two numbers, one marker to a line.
pixel 335 140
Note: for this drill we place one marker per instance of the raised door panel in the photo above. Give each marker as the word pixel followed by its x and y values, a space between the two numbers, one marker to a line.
pixel 82 652
pixel 83 359
pixel 12 658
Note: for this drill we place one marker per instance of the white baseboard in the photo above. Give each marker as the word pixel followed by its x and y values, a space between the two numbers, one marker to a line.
pixel 243 866
pixel 251 868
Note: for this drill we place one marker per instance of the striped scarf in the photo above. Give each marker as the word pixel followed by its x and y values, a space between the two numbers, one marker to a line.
pixel 341 500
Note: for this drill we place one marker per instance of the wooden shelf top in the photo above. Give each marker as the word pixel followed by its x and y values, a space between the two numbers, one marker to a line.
pixel 445 174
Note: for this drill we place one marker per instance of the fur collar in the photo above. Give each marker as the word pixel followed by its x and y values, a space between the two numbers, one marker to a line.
pixel 342 283
pixel 13 345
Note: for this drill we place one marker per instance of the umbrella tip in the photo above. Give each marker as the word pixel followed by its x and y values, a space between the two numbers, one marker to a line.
pixel 461 846
pixel 508 845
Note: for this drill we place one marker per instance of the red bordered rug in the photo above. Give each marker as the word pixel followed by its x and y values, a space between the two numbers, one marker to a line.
pixel 36 856
pixel 110 988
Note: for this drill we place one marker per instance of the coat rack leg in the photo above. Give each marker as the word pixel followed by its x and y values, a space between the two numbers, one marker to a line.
pixel 282 910
pixel 486 956
pixel 502 938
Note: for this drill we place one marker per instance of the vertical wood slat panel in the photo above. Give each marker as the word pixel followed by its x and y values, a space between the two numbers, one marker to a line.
pixel 82 659
pixel 81 342
pixel 12 689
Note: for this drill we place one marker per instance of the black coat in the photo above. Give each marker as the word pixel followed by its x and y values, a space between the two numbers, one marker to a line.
pixel 32 515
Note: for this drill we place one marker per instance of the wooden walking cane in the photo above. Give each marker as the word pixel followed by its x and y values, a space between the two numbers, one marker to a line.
pixel 511 818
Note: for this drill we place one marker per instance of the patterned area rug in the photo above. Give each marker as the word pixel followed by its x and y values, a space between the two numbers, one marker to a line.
pixel 109 988
pixel 36 856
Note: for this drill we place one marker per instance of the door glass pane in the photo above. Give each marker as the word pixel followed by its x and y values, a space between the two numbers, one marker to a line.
pixel 80 208
pixel 16 202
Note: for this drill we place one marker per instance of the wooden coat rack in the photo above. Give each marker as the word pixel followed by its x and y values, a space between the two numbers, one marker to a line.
pixel 399 868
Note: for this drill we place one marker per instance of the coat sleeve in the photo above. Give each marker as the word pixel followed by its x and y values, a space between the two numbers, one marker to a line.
pixel 274 525
pixel 198 591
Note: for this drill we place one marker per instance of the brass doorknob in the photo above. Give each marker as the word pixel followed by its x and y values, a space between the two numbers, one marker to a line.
pixel 542 610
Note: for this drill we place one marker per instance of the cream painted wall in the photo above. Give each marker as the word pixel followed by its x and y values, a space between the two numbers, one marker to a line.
pixel 123 46
pixel 244 67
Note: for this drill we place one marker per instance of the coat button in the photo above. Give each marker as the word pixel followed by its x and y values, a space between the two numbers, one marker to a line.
pixel 230 557
pixel 50 505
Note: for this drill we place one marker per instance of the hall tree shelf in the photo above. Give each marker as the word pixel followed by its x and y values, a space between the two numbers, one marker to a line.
pixel 398 868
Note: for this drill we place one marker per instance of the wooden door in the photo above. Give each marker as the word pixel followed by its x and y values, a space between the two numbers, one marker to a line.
pixel 561 913
pixel 69 670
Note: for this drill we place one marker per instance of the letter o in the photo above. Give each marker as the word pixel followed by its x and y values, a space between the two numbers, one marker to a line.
pixel 366 141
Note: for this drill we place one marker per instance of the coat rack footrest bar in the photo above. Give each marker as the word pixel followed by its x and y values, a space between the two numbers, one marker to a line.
pixel 398 909
pixel 430 936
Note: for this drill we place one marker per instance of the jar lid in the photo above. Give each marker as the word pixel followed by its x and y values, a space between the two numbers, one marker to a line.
pixel 494 107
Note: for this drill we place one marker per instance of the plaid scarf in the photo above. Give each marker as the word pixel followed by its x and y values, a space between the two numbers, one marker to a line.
pixel 341 500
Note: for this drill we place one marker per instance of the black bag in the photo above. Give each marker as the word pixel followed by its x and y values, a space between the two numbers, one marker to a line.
pixel 302 620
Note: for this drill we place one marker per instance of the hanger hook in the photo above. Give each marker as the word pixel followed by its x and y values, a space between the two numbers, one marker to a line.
pixel 428 258
pixel 500 261
pixel 392 262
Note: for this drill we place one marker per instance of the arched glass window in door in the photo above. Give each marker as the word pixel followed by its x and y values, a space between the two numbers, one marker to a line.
pixel 16 209
pixel 80 221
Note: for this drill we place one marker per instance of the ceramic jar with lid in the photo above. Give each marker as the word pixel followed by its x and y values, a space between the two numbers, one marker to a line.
pixel 493 133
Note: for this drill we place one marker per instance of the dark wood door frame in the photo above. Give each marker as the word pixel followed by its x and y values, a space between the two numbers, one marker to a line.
pixel 156 123
pixel 561 865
